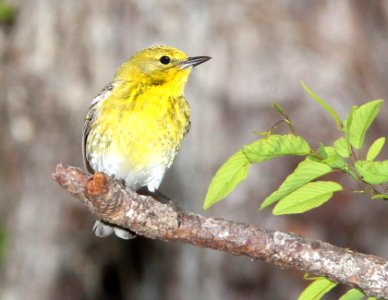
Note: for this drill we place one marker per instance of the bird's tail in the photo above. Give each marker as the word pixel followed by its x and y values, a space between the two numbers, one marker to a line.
pixel 103 229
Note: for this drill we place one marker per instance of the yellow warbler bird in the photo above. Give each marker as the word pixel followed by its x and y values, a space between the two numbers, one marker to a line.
pixel 135 126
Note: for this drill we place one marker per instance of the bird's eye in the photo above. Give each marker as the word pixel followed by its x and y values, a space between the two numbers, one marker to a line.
pixel 165 60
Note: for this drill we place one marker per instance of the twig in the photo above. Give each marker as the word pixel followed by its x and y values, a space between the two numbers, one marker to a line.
pixel 108 201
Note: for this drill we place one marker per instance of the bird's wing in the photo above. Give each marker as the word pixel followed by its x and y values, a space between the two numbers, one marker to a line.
pixel 89 121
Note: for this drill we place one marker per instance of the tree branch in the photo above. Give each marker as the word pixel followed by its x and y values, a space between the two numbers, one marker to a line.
pixel 109 201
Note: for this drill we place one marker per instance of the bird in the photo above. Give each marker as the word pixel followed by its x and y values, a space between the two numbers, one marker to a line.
pixel 135 126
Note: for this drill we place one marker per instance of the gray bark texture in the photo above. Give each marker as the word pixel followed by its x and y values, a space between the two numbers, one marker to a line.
pixel 145 216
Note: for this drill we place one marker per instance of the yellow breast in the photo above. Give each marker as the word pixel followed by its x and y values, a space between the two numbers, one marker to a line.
pixel 138 133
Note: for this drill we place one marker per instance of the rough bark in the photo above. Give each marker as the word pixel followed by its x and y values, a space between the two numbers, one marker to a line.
pixel 109 201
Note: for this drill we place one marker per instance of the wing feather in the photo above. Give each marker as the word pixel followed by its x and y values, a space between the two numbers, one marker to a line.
pixel 89 119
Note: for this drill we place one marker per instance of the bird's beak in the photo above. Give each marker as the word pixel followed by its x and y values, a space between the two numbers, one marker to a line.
pixel 194 61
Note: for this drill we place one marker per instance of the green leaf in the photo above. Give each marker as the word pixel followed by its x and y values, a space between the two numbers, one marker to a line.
pixel 279 108
pixel 275 146
pixel 307 197
pixel 317 289
pixel 322 151
pixel 375 148
pixel 326 106
pixel 3 241
pixel 333 159
pixel 306 171
pixel 349 119
pixel 342 147
pixel 7 12
pixel 228 176
pixel 380 196
pixel 373 172
pixel 362 118
pixel 353 294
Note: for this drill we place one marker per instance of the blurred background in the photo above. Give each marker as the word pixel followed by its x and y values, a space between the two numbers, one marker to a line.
pixel 55 56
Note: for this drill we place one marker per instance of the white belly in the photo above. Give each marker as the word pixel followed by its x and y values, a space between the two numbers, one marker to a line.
pixel 134 178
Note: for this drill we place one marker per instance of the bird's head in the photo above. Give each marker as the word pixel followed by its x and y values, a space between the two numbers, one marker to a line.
pixel 159 66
